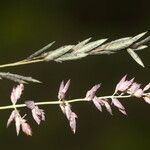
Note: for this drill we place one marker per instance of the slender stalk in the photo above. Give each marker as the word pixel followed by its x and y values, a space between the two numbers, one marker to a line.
pixel 19 63
pixel 59 102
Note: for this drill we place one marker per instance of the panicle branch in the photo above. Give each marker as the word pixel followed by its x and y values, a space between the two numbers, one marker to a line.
pixel 86 48
pixel 124 89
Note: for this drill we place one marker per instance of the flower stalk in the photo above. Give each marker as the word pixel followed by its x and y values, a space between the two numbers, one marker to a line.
pixel 59 102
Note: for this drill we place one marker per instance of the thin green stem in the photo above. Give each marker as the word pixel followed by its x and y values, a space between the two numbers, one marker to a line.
pixel 19 63
pixel 59 102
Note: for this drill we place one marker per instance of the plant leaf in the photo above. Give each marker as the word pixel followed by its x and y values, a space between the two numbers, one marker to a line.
pixel 18 78
pixel 88 47
pixel 40 51
pixel 116 45
pixel 135 56
pixel 71 56
pixel 81 44
pixel 141 47
pixel 137 37
pixel 58 52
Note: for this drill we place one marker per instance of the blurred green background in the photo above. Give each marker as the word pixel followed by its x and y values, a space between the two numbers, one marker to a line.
pixel 28 25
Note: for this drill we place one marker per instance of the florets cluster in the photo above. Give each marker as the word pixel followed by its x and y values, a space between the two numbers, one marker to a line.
pixel 124 89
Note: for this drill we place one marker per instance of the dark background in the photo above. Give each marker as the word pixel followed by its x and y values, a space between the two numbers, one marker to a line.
pixel 26 26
